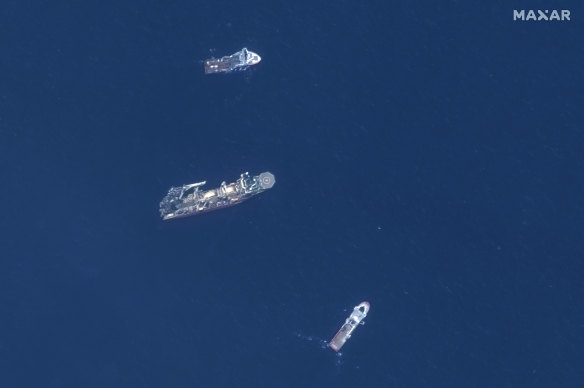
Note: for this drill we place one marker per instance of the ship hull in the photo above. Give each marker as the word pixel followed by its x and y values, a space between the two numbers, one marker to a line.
pixel 357 315
pixel 189 200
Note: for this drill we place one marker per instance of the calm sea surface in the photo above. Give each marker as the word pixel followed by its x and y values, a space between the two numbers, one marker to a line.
pixel 428 157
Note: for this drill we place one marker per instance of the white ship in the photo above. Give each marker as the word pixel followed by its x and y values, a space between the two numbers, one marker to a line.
pixel 239 61
pixel 189 200
pixel 359 313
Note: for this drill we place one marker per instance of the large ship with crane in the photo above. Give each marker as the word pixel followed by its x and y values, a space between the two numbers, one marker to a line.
pixel 190 199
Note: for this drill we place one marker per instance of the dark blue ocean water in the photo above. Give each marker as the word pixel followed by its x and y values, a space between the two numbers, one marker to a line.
pixel 428 157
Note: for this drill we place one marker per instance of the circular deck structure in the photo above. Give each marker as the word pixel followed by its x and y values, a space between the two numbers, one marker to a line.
pixel 267 180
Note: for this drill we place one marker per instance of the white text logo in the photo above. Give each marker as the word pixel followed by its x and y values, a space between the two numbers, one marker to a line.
pixel 541 15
